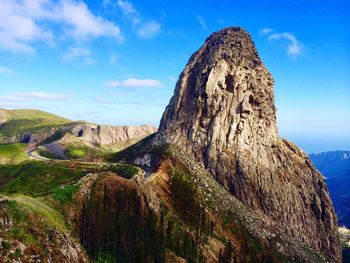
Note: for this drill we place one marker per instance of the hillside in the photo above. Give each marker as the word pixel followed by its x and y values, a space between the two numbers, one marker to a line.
pixel 55 137
pixel 215 183
pixel 13 153
pixel 19 122
pixel 335 166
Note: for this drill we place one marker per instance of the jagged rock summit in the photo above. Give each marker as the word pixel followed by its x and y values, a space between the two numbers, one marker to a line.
pixel 223 114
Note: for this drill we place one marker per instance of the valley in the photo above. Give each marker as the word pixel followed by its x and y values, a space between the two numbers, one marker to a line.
pixel 215 182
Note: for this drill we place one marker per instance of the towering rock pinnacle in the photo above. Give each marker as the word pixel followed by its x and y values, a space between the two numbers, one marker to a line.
pixel 223 113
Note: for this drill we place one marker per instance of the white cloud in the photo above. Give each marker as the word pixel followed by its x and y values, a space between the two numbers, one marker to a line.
pixel 83 24
pixel 113 59
pixel 13 98
pixel 136 83
pixel 42 95
pixel 201 22
pixel 79 53
pixel 4 70
pixel 266 31
pixel 294 47
pixel 30 96
pixel 144 29
pixel 18 28
pixel 24 22
pixel 129 11
pixel 149 29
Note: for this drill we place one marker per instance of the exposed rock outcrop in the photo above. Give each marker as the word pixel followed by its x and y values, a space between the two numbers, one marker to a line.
pixel 29 137
pixel 55 246
pixel 104 135
pixel 223 114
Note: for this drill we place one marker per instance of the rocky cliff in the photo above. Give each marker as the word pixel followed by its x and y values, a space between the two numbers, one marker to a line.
pixel 223 114
pixel 105 135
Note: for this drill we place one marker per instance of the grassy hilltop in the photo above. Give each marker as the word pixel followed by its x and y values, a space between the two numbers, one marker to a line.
pixel 25 120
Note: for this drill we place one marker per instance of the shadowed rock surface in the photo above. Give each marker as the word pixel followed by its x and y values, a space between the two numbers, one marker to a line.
pixel 223 114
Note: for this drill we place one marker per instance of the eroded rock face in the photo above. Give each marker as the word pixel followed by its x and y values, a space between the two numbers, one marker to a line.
pixel 104 135
pixel 223 113
pixel 29 137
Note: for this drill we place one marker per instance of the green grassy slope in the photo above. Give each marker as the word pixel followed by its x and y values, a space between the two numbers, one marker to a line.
pixel 41 209
pixel 19 121
pixel 36 178
pixel 12 153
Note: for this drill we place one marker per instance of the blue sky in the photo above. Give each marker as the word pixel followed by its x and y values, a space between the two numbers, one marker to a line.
pixel 116 62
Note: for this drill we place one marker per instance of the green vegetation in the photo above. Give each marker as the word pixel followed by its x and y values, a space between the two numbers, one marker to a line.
pixel 189 202
pixel 130 236
pixel 126 171
pixel 77 153
pixel 22 204
pixel 36 178
pixel 81 151
pixel 19 121
pixel 137 234
pixel 64 194
pixel 13 153
pixel 32 223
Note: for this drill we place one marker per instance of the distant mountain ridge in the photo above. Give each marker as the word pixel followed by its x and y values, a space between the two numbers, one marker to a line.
pixel 332 163
pixel 335 166
pixel 18 121
pixel 215 183
pixel 56 136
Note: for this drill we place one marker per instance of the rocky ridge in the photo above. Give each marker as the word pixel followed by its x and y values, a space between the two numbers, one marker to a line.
pixel 223 114
pixel 105 135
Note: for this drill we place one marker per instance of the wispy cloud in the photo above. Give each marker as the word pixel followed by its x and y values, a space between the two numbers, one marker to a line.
pixel 136 83
pixel 79 53
pixel 24 23
pixel 5 70
pixel 294 47
pixel 144 29
pixel 266 31
pixel 43 95
pixel 83 24
pixel 13 98
pixel 148 29
pixel 201 22
pixel 113 59
pixel 129 11
pixel 35 95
